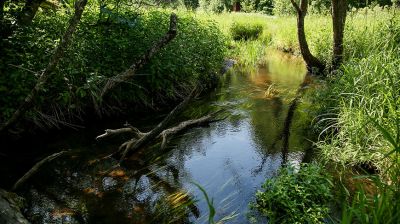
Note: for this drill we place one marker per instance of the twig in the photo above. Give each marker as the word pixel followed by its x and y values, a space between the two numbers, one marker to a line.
pixel 36 168
pixel 20 67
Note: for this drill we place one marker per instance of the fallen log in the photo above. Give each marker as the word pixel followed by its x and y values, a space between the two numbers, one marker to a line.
pixel 128 130
pixel 10 208
pixel 36 168
pixel 167 133
pixel 132 145
pixel 161 131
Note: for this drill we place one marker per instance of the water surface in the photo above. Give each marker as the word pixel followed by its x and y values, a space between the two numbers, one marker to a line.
pixel 230 159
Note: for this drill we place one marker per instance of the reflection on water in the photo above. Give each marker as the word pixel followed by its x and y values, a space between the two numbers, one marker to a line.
pixel 229 158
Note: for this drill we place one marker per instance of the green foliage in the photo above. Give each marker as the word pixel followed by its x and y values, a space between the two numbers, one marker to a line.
pixel 245 31
pixel 283 8
pixel 215 6
pixel 210 204
pixel 359 114
pixel 384 205
pixel 248 5
pixel 320 7
pixel 265 6
pixel 296 197
pixel 191 4
pixel 103 48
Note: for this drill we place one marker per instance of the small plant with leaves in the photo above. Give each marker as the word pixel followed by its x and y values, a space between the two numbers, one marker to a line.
pixel 296 197
pixel 246 31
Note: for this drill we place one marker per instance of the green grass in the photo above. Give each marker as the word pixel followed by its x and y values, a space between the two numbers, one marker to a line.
pixel 357 108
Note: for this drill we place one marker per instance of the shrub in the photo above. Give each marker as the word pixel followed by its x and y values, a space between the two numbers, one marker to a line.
pixel 102 49
pixel 296 197
pixel 283 8
pixel 320 7
pixel 266 6
pixel 245 31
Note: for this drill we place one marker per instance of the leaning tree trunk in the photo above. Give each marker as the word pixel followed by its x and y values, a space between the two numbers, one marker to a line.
pixel 2 11
pixel 46 74
pixel 311 61
pixel 339 11
pixel 28 12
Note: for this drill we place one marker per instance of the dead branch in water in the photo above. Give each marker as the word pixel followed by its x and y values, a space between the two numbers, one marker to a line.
pixel 167 133
pixel 128 130
pixel 160 132
pixel 132 145
pixel 36 168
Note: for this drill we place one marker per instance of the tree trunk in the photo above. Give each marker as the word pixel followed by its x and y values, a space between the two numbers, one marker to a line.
pixel 2 11
pixel 46 74
pixel 339 11
pixel 312 62
pixel 28 12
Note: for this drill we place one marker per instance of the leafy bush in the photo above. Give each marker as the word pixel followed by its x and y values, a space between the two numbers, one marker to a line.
pixel 320 7
pixel 245 31
pixel 266 6
pixel 216 6
pixel 104 48
pixel 296 197
pixel 283 7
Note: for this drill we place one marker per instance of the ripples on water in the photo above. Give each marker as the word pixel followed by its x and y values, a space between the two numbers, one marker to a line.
pixel 230 159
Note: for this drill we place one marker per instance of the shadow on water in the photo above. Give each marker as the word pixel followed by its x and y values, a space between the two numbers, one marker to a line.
pixel 230 159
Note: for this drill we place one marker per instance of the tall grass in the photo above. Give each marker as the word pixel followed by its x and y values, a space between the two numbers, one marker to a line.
pixel 359 116
pixel 357 110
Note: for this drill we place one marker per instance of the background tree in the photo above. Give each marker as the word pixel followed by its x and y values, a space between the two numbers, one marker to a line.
pixel 312 62
pixel 28 12
pixel 339 11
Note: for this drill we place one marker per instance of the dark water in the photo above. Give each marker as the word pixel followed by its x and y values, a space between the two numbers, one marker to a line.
pixel 230 159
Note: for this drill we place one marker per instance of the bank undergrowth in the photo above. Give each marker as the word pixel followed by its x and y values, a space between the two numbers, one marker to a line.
pixel 106 43
pixel 356 109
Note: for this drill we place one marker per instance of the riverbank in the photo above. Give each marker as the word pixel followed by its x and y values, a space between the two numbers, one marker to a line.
pixel 356 110
pixel 106 44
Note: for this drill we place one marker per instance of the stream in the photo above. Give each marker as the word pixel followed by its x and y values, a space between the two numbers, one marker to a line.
pixel 230 159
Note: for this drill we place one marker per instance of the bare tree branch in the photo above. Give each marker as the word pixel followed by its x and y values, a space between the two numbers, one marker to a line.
pixel 130 130
pixel 156 47
pixel 47 73
pixel 132 145
pixel 167 133
pixel 36 168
